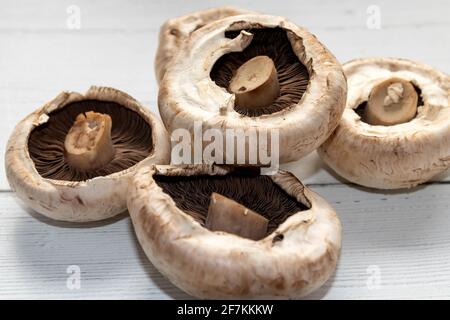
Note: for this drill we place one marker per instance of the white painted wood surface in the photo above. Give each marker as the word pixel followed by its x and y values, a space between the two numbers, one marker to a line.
pixel 401 236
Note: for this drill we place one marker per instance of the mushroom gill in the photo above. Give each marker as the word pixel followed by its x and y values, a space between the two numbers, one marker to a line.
pixel 258 193
pixel 131 137
pixel 293 76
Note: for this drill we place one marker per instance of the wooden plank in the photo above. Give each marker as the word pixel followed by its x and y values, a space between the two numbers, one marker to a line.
pixel 397 235
pixel 35 254
pixel 23 15
pixel 402 237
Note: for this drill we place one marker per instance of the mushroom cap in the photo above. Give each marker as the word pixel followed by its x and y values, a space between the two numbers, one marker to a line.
pixel 292 261
pixel 397 156
pixel 188 94
pixel 78 201
pixel 175 31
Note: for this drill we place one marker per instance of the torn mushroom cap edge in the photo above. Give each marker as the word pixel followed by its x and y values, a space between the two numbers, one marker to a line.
pixel 187 93
pixel 95 199
pixel 187 254
pixel 175 31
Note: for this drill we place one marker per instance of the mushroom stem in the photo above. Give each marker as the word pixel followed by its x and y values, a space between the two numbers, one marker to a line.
pixel 255 83
pixel 391 102
pixel 227 215
pixel 88 143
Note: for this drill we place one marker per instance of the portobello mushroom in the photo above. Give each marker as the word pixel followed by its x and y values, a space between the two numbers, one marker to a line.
pixel 72 158
pixel 255 73
pixel 170 207
pixel 395 131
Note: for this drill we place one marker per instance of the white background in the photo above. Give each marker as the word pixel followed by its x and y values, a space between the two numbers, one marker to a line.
pixel 395 245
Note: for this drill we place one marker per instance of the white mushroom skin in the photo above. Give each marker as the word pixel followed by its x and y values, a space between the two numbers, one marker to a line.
pixel 393 156
pixel 188 95
pixel 175 31
pixel 79 201
pixel 294 260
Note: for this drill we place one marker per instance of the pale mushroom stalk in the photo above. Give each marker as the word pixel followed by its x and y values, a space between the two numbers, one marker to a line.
pixel 88 144
pixel 227 215
pixel 255 83
pixel 391 102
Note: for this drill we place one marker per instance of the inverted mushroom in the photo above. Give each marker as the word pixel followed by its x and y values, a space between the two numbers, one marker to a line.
pixel 217 79
pixel 395 131
pixel 175 31
pixel 295 256
pixel 72 159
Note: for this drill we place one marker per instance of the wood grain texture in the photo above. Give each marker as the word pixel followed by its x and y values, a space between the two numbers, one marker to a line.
pixel 402 235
